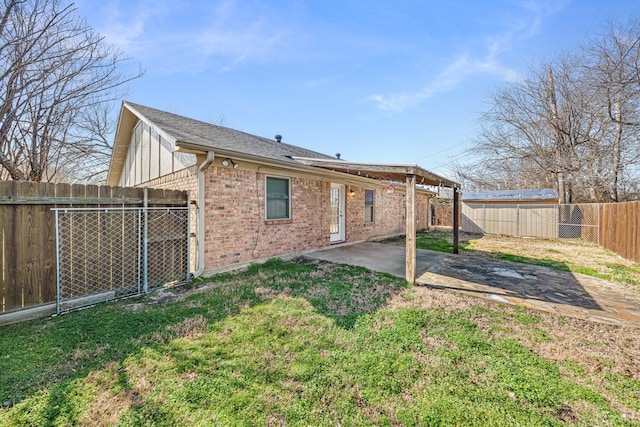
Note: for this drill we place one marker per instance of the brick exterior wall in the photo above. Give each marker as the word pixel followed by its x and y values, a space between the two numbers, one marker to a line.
pixel 389 213
pixel 185 179
pixel 236 230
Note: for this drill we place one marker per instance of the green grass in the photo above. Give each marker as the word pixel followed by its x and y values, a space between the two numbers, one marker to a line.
pixel 438 241
pixel 293 344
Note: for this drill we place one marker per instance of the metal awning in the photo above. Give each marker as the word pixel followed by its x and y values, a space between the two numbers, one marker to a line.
pixel 382 171
pixel 412 174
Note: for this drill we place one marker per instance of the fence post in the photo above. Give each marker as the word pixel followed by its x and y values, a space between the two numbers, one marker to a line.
pixel 139 240
pixel 57 233
pixel 145 243
pixel 598 226
pixel 188 273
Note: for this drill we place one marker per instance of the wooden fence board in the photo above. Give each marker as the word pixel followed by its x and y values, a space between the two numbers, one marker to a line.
pixel 619 228
pixel 27 235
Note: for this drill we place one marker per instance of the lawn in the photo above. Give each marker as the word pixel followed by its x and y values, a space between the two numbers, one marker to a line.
pixel 305 343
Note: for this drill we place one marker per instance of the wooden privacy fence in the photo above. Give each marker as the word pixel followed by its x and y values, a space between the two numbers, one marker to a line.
pixel 27 233
pixel 442 215
pixel 614 226
pixel 620 229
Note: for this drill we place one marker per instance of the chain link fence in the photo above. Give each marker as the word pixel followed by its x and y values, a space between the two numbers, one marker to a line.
pixel 109 253
pixel 579 221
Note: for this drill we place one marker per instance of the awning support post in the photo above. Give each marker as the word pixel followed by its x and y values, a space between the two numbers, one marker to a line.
pixel 411 229
pixel 456 219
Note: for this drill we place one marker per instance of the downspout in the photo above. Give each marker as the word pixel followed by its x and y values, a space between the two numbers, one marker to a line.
pixel 200 231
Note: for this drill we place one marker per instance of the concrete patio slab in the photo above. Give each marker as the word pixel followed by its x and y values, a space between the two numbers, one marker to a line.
pixel 540 288
pixel 377 256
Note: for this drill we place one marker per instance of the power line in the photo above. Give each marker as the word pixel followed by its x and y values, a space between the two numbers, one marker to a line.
pixel 441 151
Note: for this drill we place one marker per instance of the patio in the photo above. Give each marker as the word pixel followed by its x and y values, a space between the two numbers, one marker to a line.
pixel 540 288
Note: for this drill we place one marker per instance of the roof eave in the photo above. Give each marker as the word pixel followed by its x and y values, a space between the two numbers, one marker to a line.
pixel 381 170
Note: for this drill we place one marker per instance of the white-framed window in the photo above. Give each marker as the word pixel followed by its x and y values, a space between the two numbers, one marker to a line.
pixel 368 205
pixel 278 205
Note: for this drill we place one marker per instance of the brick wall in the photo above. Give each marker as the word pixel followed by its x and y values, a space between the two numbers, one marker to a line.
pixel 185 179
pixel 236 230
pixel 389 213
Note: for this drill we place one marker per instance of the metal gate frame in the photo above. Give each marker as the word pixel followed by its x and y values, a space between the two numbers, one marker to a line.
pixel 125 233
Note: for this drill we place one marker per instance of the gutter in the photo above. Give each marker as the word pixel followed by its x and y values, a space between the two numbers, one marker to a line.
pixel 201 200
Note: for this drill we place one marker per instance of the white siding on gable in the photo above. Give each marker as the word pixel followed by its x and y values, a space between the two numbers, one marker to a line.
pixel 166 156
pixel 144 153
pixel 150 156
pixel 138 153
pixel 126 176
pixel 183 160
pixel 154 155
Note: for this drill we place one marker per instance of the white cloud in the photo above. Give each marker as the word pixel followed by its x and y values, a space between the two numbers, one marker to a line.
pixel 464 67
pixel 460 69
pixel 177 36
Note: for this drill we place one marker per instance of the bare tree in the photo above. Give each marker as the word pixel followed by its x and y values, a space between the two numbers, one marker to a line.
pixel 87 158
pixel 573 122
pixel 56 75
pixel 613 63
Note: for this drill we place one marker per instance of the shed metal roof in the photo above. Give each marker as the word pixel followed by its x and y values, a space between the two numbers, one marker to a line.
pixel 512 195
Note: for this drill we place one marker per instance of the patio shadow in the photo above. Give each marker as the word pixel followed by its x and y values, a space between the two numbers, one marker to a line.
pixel 508 279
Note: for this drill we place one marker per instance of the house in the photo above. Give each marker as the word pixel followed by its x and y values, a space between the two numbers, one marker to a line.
pixel 261 198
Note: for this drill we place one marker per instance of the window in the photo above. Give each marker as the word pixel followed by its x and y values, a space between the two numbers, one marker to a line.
pixel 277 198
pixel 368 205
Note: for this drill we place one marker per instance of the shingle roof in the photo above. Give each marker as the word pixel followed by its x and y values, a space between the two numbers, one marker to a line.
pixel 186 130
pixel 508 195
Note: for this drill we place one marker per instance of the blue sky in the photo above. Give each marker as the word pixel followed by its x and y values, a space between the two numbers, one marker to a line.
pixel 383 81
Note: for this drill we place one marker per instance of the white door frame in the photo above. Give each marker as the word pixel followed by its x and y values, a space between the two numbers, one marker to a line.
pixel 337 215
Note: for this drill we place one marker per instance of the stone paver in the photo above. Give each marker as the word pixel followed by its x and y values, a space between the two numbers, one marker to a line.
pixel 540 288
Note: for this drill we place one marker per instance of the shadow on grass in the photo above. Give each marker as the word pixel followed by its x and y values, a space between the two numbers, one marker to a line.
pixel 45 356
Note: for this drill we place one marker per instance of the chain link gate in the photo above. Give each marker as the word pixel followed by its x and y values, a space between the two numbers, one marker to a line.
pixel 108 253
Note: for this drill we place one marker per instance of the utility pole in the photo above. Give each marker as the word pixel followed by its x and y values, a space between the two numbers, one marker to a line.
pixel 559 171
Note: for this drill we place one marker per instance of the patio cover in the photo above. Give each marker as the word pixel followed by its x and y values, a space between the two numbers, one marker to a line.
pixel 412 174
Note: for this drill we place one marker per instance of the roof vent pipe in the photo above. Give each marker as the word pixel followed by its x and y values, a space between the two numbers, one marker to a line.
pixel 278 138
